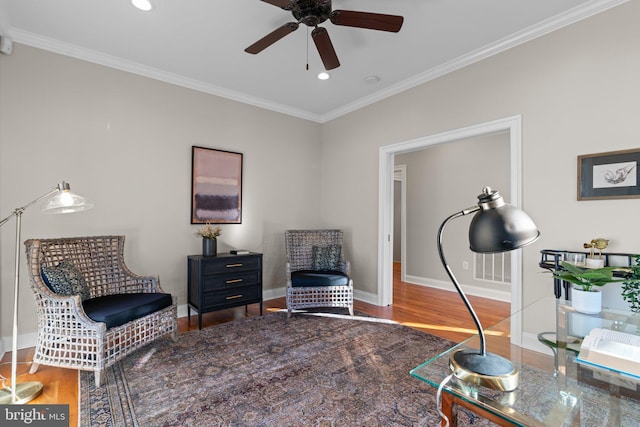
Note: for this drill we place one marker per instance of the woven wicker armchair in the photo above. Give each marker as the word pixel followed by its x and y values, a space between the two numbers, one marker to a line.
pixel 67 336
pixel 309 286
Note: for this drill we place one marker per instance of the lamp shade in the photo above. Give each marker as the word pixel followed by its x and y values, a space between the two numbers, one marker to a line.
pixel 498 226
pixel 64 201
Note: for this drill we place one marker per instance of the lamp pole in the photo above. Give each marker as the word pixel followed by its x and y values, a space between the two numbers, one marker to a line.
pixel 476 320
pixel 14 341
pixel 29 390
pixel 496 227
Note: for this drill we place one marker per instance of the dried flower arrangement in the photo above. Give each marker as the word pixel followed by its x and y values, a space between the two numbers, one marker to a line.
pixel 209 231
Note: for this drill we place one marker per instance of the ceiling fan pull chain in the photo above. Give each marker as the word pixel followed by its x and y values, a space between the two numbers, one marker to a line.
pixel 307 38
pixel 314 12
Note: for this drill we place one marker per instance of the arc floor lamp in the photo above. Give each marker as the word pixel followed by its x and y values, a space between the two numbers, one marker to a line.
pixel 59 200
pixel 496 227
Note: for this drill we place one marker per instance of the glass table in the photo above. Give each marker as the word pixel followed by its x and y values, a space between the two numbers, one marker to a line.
pixel 554 390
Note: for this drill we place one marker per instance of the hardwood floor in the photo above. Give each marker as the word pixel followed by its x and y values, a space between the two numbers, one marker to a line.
pixel 434 311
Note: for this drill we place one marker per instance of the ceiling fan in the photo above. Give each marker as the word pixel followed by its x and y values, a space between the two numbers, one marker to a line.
pixel 314 12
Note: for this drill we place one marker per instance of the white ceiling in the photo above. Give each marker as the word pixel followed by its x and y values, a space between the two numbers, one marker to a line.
pixel 200 44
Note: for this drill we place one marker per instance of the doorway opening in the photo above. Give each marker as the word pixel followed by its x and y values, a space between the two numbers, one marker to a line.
pixel 512 127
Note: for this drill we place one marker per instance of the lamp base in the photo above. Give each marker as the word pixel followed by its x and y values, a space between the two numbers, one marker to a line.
pixel 490 370
pixel 25 392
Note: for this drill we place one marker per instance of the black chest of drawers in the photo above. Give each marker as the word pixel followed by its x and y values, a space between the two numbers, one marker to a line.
pixel 223 281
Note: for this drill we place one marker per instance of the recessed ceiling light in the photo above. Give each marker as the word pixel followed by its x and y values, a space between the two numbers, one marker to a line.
pixel 372 79
pixel 142 4
pixel 323 76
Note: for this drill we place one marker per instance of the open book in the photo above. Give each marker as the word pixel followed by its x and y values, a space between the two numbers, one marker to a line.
pixel 618 351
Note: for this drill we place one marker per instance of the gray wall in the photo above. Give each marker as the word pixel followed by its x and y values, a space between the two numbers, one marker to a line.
pixel 441 180
pixel 124 141
pixel 577 91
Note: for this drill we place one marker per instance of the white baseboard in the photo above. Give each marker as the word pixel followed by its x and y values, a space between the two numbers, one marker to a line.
pixel 24 341
pixel 274 293
pixel 530 342
pixel 367 297
pixel 468 289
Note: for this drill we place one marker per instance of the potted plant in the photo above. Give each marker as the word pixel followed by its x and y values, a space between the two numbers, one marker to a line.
pixel 209 233
pixel 631 285
pixel 586 297
pixel 598 244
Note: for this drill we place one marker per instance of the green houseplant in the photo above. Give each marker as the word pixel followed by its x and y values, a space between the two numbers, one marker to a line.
pixel 586 278
pixel 631 285
pixel 586 298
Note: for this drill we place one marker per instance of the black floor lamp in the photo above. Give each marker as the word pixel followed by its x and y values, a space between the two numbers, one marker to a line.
pixel 58 200
pixel 496 227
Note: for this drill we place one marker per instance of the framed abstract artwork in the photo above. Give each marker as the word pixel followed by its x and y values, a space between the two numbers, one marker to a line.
pixel 612 175
pixel 216 186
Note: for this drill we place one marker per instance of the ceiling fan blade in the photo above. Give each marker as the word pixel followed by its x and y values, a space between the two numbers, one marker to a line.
pixel 325 48
pixel 284 4
pixel 272 37
pixel 371 21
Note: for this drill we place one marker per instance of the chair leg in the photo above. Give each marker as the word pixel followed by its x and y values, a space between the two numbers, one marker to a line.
pixel 174 335
pixel 34 367
pixel 289 312
pixel 98 377
pixel 351 310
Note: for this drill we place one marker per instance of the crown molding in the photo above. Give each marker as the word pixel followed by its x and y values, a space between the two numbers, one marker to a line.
pixel 559 21
pixel 66 49
pixel 545 27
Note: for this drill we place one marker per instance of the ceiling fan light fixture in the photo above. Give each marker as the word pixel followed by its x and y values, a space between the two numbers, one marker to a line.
pixel 144 5
pixel 314 12
pixel 324 76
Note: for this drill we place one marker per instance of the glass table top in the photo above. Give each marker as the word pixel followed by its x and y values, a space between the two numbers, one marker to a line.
pixel 552 391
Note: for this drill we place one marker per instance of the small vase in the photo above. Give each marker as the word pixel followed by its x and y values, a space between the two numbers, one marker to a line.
pixel 209 246
pixel 586 302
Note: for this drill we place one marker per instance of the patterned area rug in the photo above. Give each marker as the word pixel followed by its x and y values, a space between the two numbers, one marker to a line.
pixel 309 370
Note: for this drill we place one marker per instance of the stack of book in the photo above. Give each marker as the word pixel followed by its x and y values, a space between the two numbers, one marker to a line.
pixel 614 350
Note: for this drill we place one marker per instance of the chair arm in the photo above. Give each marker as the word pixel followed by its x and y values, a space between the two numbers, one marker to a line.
pixel 345 267
pixel 64 315
pixel 288 273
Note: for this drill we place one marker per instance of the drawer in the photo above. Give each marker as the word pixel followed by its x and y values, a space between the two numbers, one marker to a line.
pixel 230 296
pixel 223 266
pixel 241 278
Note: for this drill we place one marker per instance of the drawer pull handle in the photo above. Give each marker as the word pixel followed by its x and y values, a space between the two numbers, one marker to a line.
pixel 234 281
pixel 234 265
pixel 234 297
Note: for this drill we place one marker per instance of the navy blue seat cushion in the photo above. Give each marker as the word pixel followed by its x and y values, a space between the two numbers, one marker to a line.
pixel 311 278
pixel 118 309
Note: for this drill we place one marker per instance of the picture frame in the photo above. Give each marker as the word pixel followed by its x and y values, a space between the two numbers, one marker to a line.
pixel 216 186
pixel 609 175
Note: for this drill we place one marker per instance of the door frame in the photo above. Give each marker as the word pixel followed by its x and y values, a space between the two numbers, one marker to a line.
pixel 400 174
pixel 512 125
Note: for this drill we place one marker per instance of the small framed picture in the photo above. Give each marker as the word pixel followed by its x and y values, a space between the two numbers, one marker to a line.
pixel 216 186
pixel 612 175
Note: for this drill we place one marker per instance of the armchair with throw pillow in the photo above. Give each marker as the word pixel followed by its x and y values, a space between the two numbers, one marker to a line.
pixel 92 310
pixel 318 275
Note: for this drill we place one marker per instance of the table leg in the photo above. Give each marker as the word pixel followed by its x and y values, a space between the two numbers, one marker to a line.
pixel 450 410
